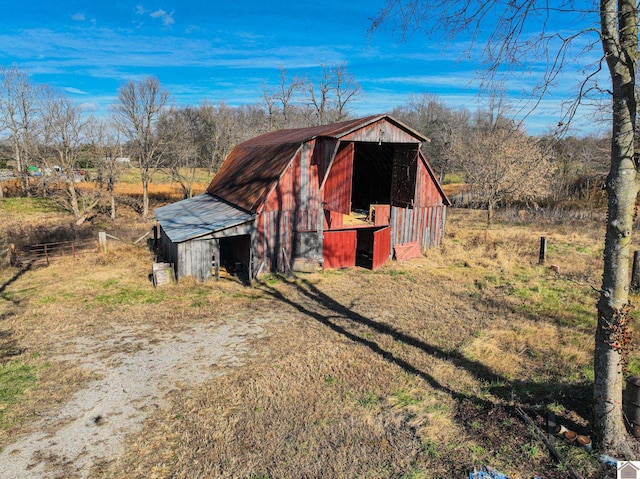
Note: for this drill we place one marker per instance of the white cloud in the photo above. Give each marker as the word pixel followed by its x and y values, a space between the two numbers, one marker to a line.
pixel 75 91
pixel 167 18
pixel 78 17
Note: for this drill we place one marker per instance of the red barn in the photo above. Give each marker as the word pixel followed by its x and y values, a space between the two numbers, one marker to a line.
pixel 327 196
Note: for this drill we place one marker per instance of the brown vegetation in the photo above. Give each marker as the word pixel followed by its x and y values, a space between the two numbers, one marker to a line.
pixel 411 371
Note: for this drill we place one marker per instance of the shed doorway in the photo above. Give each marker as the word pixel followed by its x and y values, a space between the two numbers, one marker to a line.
pixel 234 256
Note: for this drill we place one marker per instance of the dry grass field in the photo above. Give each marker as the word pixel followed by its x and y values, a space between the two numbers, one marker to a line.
pixel 412 371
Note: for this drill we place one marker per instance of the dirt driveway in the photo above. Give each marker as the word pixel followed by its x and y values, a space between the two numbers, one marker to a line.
pixel 134 371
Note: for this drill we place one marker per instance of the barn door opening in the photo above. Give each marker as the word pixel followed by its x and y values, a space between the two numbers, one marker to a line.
pixel 235 256
pixel 383 174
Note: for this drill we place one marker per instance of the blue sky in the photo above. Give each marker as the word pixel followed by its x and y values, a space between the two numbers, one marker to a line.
pixel 227 51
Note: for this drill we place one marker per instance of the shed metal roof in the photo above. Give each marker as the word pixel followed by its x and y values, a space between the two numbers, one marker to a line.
pixel 198 216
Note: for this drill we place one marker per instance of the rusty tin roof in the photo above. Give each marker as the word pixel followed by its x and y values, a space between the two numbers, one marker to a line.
pixel 253 167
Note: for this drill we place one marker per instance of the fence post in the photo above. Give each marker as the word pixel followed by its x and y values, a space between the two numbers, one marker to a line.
pixel 543 250
pixel 102 239
pixel 635 271
pixel 13 257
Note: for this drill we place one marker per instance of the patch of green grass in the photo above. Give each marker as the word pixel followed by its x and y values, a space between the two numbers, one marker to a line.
pixel 128 295
pixel 453 178
pixel 199 297
pixel 394 273
pixel 406 398
pixel 330 380
pixel 633 365
pixel 26 206
pixel 430 448
pixel 477 451
pixel 15 378
pixel 531 450
pixel 368 400
pixel 249 296
pixel 569 304
pixel 415 474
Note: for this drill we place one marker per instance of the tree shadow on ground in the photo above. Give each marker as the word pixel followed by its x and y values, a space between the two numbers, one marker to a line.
pixel 26 267
pixel 8 344
pixel 529 394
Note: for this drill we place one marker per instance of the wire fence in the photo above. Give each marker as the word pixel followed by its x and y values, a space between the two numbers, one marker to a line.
pixel 45 253
pixel 48 252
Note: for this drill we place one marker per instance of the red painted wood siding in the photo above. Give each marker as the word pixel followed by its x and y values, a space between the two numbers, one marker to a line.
pixel 381 214
pixel 339 249
pixel 337 189
pixel 427 193
pixel 381 247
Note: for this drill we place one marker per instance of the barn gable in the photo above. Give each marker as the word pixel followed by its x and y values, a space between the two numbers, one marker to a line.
pixel 327 195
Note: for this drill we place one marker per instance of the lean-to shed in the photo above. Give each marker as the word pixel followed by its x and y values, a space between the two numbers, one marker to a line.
pixel 327 196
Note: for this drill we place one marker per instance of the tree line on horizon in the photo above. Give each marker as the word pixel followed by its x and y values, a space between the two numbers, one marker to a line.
pixel 495 157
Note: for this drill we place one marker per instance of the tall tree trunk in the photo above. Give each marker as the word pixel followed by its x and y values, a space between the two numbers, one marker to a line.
pixel 619 22
pixel 73 199
pixel 113 206
pixel 490 213
pixel 145 196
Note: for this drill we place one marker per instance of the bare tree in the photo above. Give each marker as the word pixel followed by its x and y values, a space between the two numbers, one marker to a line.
pixel 446 129
pixel 63 132
pixel 286 95
pixel 332 93
pixel 178 130
pixel 500 162
pixel 222 128
pixel 137 111
pixel 106 150
pixel 282 102
pixel 19 98
pixel 347 90
pixel 319 94
pixel 615 27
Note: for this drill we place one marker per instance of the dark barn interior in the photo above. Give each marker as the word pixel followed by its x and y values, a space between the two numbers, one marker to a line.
pixel 379 169
pixel 372 169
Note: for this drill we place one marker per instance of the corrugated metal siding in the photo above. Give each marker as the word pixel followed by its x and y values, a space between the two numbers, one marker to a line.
pixel 422 225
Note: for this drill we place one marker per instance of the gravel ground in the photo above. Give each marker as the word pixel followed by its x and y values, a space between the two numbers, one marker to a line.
pixel 135 373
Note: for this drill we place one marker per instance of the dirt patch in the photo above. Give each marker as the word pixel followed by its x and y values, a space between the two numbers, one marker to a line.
pixel 133 382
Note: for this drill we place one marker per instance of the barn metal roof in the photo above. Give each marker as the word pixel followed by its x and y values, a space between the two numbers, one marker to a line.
pixel 198 216
pixel 253 167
